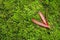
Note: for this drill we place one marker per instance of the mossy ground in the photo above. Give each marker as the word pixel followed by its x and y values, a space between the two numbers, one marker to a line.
pixel 16 15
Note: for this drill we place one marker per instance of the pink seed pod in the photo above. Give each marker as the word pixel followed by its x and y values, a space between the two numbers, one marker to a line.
pixel 43 18
pixel 40 24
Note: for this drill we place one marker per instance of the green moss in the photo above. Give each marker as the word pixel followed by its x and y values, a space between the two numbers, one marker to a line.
pixel 16 15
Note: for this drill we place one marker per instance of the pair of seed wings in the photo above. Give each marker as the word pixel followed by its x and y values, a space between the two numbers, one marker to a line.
pixel 44 23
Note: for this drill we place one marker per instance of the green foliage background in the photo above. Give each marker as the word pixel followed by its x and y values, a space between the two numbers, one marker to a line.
pixel 16 15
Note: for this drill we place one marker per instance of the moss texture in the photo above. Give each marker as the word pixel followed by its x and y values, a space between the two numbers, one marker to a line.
pixel 16 15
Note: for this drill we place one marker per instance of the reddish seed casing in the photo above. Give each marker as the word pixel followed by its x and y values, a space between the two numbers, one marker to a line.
pixel 39 23
pixel 43 18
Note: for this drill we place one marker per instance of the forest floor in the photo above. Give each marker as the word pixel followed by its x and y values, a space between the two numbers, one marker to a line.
pixel 16 19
